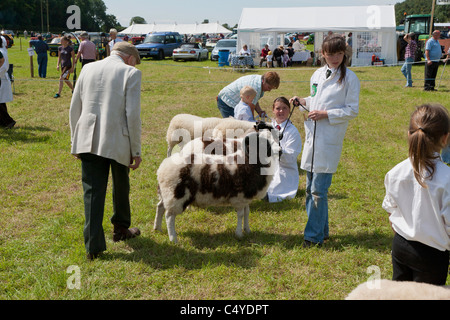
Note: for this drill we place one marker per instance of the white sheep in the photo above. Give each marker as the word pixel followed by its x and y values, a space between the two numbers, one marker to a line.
pixel 398 290
pixel 185 127
pixel 205 180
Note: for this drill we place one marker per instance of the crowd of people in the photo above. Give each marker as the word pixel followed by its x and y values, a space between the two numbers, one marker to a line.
pixel 105 129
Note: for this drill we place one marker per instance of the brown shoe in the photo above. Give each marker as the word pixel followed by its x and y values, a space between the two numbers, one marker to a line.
pixel 121 233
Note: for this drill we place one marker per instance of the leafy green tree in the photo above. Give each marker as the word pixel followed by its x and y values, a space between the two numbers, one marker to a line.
pixel 441 12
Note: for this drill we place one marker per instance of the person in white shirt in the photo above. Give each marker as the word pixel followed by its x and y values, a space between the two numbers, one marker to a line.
pixel 286 178
pixel 114 40
pixel 333 102
pixel 418 201
pixel 243 110
pixel 244 51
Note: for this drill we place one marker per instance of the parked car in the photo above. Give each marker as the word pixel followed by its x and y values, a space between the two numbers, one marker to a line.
pixel 190 51
pixel 159 45
pixel 224 44
pixel 55 43
pixel 211 43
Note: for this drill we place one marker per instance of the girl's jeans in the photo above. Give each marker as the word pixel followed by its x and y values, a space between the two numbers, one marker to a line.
pixel 317 185
pixel 406 70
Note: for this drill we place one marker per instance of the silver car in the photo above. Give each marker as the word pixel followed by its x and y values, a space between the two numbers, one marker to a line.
pixel 190 51
pixel 224 44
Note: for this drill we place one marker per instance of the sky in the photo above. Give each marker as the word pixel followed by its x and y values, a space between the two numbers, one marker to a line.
pixel 222 11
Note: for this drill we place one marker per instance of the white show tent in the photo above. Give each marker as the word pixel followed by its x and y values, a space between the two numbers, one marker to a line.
pixel 191 28
pixel 372 27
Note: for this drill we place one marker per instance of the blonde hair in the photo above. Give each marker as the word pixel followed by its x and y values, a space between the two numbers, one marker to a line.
pixel 247 91
pixel 428 124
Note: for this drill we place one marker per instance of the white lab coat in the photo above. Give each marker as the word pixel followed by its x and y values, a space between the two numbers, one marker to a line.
pixel 5 87
pixel 342 104
pixel 417 213
pixel 286 178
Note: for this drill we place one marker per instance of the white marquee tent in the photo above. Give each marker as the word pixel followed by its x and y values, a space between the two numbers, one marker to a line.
pixel 373 28
pixel 192 28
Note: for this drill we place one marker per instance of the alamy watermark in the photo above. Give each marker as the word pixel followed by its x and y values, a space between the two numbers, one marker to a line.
pixel 74 21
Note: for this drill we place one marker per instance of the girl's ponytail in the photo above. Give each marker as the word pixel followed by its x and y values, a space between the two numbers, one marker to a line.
pixel 428 124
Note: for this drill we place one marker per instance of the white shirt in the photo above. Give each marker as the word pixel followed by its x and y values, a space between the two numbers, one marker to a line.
pixel 244 52
pixel 286 178
pixel 113 42
pixel 242 111
pixel 342 104
pixel 417 213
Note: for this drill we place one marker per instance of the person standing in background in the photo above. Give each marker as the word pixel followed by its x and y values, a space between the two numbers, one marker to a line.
pixel 433 53
pixel 41 48
pixel 410 54
pixel 87 51
pixel 114 40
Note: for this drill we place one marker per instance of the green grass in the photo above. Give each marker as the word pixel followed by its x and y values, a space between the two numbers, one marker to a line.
pixel 42 209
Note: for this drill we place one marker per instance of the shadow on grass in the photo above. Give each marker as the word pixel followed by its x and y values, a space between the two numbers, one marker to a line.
pixel 169 255
pixel 26 134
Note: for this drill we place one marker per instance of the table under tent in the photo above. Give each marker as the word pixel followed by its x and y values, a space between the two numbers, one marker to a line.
pixel 372 28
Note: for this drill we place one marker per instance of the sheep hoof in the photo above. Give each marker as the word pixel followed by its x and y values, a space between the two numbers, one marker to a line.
pixel 239 235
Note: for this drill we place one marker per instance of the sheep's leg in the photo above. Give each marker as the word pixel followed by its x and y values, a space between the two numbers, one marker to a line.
pixel 246 215
pixel 170 221
pixel 240 215
pixel 159 214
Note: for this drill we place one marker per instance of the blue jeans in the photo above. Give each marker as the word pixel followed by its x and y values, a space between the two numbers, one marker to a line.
pixel 317 185
pixel 446 154
pixel 406 70
pixel 42 59
pixel 224 109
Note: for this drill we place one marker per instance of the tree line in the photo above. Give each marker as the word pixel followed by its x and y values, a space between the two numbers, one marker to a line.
pixel 441 12
pixel 51 15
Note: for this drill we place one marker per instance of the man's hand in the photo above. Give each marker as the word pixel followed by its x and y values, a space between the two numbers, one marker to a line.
pixel 135 162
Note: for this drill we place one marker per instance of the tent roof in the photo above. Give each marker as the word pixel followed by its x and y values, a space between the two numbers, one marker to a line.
pixel 317 19
pixel 192 28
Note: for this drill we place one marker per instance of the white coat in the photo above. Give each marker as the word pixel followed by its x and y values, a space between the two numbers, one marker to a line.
pixel 105 111
pixel 5 87
pixel 286 178
pixel 417 213
pixel 342 104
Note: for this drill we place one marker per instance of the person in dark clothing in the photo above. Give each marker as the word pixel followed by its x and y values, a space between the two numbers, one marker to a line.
pixel 41 48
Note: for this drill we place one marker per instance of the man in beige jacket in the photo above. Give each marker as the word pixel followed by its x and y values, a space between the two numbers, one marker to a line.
pixel 105 129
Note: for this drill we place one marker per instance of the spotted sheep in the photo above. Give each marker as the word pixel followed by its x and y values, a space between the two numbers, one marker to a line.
pixel 204 180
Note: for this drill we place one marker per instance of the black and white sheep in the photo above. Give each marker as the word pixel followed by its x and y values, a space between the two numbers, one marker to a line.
pixel 213 180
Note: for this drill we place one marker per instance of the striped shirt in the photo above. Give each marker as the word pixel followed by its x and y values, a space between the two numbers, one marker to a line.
pixel 231 93
pixel 410 50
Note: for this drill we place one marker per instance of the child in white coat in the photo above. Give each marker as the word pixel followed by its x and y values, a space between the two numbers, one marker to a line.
pixel 286 178
pixel 334 100
pixel 418 201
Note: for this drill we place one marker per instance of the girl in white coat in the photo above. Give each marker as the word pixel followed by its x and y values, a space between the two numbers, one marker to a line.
pixel 5 88
pixel 285 180
pixel 334 100
pixel 418 201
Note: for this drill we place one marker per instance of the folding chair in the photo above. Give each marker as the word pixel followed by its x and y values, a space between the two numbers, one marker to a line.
pixel 11 76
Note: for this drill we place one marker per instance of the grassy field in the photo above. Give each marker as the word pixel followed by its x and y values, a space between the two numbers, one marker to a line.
pixel 42 209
